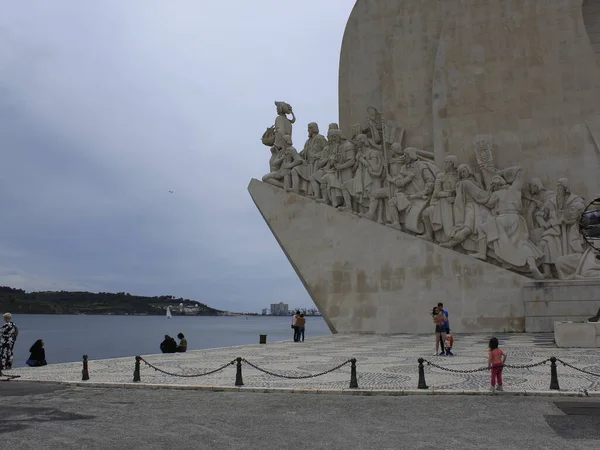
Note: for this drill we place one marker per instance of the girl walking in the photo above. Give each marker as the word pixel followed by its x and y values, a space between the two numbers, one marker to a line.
pixel 496 358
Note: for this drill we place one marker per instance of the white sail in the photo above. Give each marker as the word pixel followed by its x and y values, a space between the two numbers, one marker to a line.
pixel 168 312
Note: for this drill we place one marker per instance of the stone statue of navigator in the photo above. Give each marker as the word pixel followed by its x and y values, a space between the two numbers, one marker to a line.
pixel 505 232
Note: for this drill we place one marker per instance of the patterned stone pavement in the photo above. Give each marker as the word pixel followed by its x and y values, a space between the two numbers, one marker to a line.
pixel 386 363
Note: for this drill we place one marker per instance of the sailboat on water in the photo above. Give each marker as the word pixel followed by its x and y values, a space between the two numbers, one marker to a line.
pixel 169 312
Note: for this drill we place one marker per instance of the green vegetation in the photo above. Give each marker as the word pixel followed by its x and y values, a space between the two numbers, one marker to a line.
pixel 17 301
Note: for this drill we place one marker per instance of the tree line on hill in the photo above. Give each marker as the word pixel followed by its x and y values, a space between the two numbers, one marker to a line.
pixel 17 301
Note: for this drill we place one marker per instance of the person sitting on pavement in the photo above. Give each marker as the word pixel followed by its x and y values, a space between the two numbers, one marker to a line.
pixel 37 355
pixel 182 346
pixel 169 345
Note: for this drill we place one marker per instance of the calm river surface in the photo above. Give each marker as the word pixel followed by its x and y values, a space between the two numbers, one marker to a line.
pixel 67 338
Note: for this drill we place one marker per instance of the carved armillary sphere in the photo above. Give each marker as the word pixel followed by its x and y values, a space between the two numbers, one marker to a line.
pixel 589 224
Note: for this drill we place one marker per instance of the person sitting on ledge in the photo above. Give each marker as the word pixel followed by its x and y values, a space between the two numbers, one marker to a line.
pixel 182 346
pixel 168 345
pixel 37 357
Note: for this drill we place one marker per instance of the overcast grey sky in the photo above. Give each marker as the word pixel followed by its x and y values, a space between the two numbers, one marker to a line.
pixel 107 105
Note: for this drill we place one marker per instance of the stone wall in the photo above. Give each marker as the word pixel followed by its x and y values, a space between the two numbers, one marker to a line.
pixel 550 301
pixel 524 73
pixel 591 18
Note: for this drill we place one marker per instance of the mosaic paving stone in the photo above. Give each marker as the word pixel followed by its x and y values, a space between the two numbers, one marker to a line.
pixel 383 362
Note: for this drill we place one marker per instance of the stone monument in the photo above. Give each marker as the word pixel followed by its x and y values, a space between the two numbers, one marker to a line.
pixel 466 152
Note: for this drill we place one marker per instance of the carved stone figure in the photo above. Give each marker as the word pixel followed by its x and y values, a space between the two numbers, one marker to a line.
pixel 506 231
pixel 283 125
pixel 538 196
pixel 374 129
pixel 567 265
pixel 396 160
pixel 414 185
pixel 287 158
pixel 485 159
pixel 275 175
pixel 468 211
pixel 559 215
pixel 323 165
pixel 341 163
pixel 438 217
pixel 291 159
pixel 310 155
pixel 366 184
pixel 579 265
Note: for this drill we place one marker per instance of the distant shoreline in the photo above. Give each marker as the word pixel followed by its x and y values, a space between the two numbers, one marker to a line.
pixel 21 313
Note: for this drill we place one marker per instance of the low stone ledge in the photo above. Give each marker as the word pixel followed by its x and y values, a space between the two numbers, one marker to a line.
pixel 577 334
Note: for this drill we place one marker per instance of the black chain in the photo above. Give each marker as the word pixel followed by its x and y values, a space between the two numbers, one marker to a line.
pixel 186 375
pixel 527 366
pixel 576 368
pixel 481 369
pixel 294 377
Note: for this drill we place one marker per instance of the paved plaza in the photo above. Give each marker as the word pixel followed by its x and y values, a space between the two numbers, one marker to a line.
pixel 42 416
pixel 385 364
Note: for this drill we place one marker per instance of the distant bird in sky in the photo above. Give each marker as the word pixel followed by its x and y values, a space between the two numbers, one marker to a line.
pixel 171 192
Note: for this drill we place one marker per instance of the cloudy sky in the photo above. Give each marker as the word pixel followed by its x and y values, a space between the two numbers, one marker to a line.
pixel 106 106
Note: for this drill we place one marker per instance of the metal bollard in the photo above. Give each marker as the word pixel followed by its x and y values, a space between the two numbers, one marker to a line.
pixel 238 373
pixel 553 375
pixel 262 339
pixel 85 373
pixel 422 384
pixel 353 380
pixel 136 370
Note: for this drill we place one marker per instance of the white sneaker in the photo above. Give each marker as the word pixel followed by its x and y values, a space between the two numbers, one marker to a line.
pixel 500 389
pixel 492 389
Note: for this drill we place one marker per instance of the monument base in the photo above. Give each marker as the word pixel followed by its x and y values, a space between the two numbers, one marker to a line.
pixel 547 302
pixel 577 334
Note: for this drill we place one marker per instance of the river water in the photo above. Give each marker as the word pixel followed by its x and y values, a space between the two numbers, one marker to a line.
pixel 68 337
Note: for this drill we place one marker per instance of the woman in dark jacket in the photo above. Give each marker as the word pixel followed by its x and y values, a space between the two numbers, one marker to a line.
pixel 168 345
pixel 38 354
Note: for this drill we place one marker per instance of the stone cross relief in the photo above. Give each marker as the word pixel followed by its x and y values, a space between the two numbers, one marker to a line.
pixel 492 214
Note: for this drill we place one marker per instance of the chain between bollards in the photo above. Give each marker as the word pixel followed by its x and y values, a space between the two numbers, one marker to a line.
pixel 136 370
pixel 422 383
pixel 85 373
pixel 238 373
pixel 353 379
pixel 553 375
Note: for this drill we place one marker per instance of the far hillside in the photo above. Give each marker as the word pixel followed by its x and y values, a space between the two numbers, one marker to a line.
pixel 17 301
